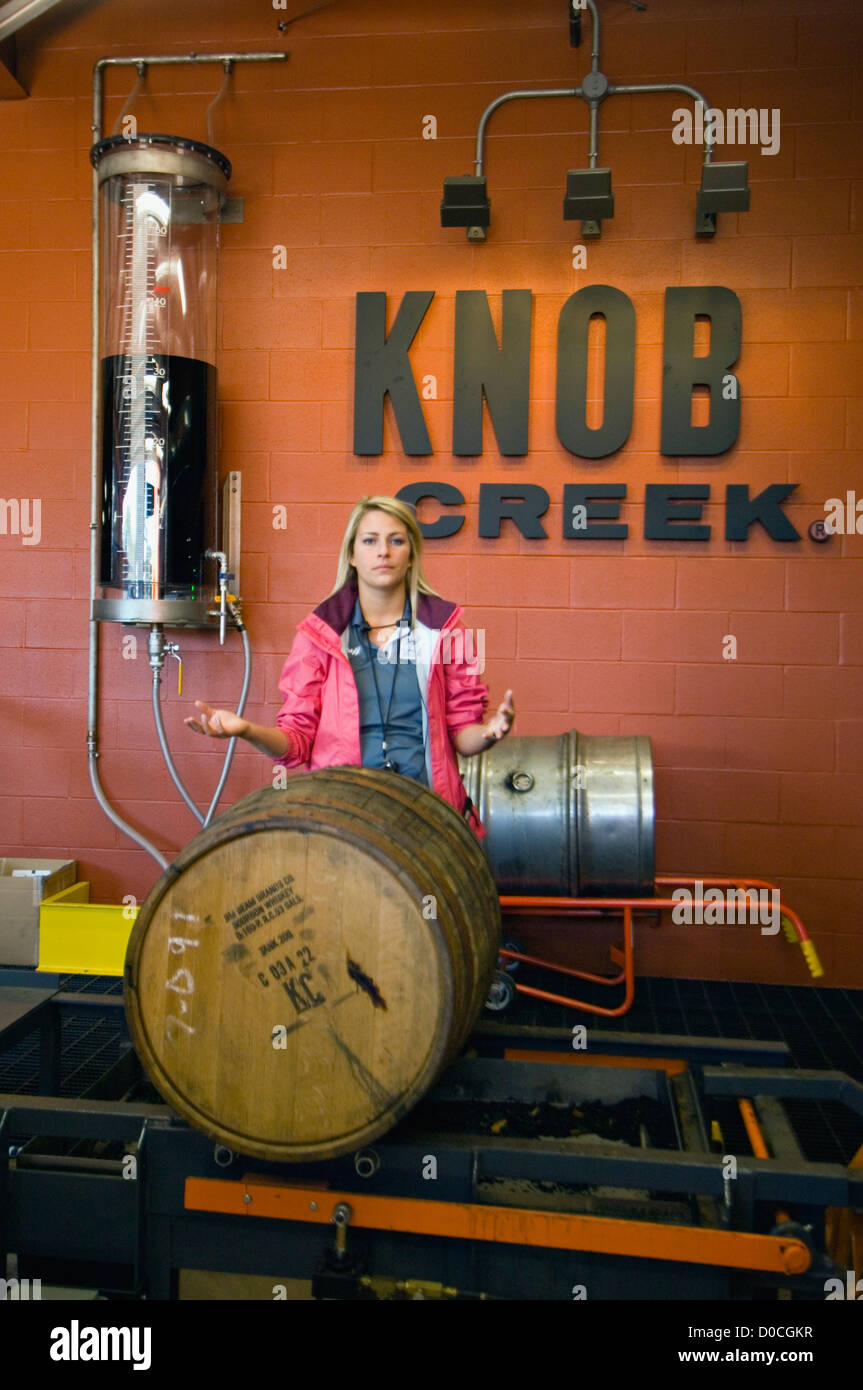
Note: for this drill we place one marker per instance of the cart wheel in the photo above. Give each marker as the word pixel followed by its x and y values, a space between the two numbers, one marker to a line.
pixel 501 993
pixel 510 966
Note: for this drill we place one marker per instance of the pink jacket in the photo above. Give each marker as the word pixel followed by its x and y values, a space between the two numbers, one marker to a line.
pixel 321 710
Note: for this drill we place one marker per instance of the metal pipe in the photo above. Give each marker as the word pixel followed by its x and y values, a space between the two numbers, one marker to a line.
pixel 95 515
pixel 117 819
pixel 157 658
pixel 166 752
pixel 479 158
pixel 223 590
pixel 232 743
pixel 594 28
pixel 512 96
pixel 642 87
pixel 72 1163
pixel 169 59
pixel 156 661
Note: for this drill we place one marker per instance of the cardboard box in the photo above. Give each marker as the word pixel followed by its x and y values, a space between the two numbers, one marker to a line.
pixel 23 885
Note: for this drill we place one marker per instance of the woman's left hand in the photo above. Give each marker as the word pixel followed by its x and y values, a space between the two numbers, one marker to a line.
pixel 500 724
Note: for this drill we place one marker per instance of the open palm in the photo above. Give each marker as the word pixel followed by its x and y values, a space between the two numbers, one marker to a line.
pixel 217 723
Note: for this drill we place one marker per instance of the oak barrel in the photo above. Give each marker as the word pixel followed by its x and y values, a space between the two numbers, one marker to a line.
pixel 308 965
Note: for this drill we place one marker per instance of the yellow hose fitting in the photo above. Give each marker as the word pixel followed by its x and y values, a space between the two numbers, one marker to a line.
pixel 815 967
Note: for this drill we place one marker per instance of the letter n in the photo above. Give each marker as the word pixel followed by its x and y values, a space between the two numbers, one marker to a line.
pixel 501 374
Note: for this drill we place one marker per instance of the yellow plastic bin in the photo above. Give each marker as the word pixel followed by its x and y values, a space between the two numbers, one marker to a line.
pixel 77 937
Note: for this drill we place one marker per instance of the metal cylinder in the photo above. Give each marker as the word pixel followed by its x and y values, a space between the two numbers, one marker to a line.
pixel 569 815
pixel 160 199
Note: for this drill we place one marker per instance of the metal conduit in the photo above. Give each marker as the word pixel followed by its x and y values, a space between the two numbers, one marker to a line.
pixel 593 102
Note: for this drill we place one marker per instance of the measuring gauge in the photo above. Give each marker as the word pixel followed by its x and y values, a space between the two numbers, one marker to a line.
pixel 160 198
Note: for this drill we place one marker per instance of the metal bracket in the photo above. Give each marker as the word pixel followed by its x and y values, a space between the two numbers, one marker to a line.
pixel 232 210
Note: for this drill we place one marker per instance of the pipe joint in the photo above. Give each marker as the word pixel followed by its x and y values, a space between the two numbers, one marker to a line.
pixel 156 649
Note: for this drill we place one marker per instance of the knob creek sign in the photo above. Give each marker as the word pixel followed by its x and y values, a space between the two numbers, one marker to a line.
pixel 498 371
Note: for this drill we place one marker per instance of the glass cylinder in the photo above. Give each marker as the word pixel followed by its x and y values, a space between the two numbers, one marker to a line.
pixel 159 212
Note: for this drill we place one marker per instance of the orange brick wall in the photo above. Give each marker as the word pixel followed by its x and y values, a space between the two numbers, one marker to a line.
pixel 759 762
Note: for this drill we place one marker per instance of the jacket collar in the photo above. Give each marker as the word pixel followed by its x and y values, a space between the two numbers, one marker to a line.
pixel 336 610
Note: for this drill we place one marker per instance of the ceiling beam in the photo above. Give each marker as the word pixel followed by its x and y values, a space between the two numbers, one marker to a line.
pixel 14 14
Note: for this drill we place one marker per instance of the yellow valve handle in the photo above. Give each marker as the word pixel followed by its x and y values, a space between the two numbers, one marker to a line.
pixel 172 650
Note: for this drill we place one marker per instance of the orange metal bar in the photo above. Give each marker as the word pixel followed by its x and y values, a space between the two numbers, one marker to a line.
pixel 684 881
pixel 504 1225
pixel 672 1066
pixel 628 977
pixel 753 1131
pixel 543 905
pixel 565 907
pixel 562 969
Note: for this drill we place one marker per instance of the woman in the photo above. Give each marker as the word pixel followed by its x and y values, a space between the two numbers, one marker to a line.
pixel 377 674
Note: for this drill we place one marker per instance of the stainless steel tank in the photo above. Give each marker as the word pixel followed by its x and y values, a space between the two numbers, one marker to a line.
pixel 160 201
pixel 569 815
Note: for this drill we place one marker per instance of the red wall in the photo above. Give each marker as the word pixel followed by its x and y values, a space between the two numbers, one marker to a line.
pixel 759 762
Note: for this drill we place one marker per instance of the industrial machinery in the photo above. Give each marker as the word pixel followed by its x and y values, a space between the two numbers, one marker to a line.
pixel 533 1170
pixel 155 558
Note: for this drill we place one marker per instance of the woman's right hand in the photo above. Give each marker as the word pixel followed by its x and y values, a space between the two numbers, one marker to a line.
pixel 217 723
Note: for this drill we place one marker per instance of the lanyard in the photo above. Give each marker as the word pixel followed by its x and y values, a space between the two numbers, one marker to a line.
pixel 373 660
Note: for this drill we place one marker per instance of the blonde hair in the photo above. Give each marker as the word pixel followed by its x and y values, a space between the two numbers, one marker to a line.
pixel 416 580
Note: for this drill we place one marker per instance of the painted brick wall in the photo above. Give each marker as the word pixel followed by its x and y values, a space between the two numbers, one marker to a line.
pixel 759 761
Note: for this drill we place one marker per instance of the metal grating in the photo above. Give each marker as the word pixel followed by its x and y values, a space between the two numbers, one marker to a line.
pixel 822 1029
pixel 91 984
pixel 88 1046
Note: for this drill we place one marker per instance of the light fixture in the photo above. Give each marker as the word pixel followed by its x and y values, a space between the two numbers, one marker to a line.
pixel 724 188
pixel 589 197
pixel 465 204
